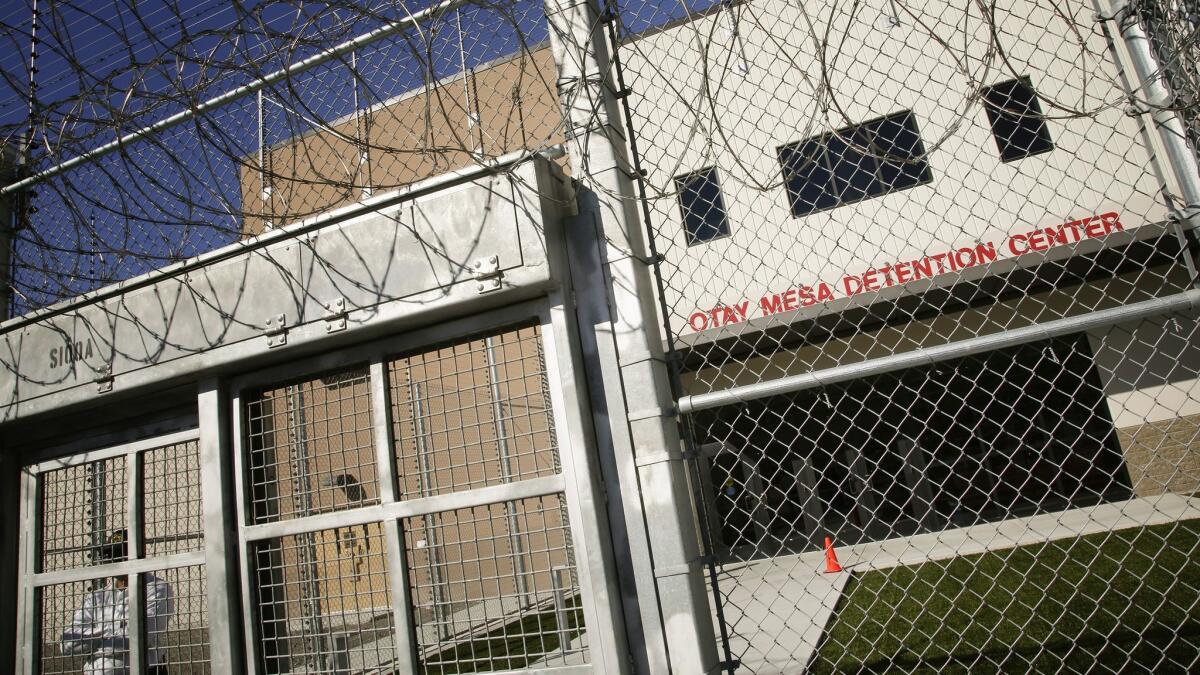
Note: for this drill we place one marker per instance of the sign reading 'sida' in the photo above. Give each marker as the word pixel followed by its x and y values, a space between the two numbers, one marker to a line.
pixel 71 352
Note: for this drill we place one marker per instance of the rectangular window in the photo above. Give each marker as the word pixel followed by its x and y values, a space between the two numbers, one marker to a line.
pixel 701 205
pixel 1016 118
pixel 854 163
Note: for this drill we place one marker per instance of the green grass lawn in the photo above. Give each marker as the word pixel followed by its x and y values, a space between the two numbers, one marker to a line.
pixel 1112 602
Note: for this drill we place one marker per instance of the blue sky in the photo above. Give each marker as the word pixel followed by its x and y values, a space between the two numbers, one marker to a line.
pixel 108 67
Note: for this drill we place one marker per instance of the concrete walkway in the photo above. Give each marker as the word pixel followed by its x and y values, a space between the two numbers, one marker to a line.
pixel 777 609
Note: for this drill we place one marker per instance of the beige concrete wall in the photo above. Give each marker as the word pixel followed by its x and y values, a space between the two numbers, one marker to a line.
pixel 1163 456
pixel 1151 375
pixel 502 107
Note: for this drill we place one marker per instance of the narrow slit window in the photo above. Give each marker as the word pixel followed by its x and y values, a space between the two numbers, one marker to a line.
pixel 1018 124
pixel 702 206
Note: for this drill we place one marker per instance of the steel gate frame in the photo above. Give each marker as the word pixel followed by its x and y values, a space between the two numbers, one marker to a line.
pixel 577 482
pixel 31 581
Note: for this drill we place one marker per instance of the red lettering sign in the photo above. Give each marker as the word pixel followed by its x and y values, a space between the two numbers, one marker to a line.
pixel 1035 240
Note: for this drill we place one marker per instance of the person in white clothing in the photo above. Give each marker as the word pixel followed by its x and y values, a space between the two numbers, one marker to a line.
pixel 99 629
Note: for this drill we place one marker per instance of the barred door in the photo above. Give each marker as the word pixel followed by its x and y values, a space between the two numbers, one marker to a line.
pixel 422 506
pixel 116 578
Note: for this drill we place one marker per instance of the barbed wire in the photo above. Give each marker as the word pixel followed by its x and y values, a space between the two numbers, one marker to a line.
pixel 107 71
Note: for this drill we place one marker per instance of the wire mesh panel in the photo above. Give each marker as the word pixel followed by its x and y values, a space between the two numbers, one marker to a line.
pixel 311 447
pixel 472 414
pixel 492 592
pixel 176 628
pixel 171 500
pixel 80 506
pixel 79 622
pixel 85 518
pixel 323 602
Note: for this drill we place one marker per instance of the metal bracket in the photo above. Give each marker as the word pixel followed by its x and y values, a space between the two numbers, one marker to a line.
pixel 1136 108
pixel 487 272
pixel 104 379
pixel 276 330
pixel 335 316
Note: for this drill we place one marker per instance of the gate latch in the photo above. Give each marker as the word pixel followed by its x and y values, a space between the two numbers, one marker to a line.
pixel 487 272
pixel 335 316
pixel 276 330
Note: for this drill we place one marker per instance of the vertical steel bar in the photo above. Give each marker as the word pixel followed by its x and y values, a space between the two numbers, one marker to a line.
pixel 95 479
pixel 302 496
pixel 360 130
pixel 220 526
pixel 1154 92
pixel 1151 149
pixel 431 543
pixel 588 534
pixel 135 590
pixel 560 577
pixel 264 191
pixel 506 472
pixel 135 627
pixel 470 105
pixel 246 566
pixel 27 619
pixel 397 564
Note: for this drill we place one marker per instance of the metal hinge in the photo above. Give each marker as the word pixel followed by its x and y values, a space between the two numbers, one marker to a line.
pixel 104 379
pixel 487 272
pixel 335 316
pixel 276 330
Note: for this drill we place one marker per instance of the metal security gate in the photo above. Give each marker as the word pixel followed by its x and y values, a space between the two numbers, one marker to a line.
pixel 422 505
pixel 116 577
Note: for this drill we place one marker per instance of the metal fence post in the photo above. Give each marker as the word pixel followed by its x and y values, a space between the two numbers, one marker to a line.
pixel 220 527
pixel 642 415
pixel 1154 93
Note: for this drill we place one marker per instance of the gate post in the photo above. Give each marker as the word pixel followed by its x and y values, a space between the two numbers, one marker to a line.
pixel 615 293
pixel 220 525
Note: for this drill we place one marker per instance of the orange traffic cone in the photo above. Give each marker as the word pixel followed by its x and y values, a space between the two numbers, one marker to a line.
pixel 831 561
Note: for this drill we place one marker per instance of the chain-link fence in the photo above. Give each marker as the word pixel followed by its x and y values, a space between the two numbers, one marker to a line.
pixel 925 271
pixel 921 270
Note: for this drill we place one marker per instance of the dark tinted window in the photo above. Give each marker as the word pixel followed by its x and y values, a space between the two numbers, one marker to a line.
pixel 1017 121
pixel 855 163
pixel 701 205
